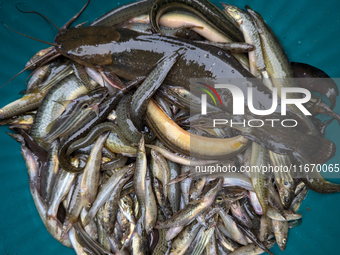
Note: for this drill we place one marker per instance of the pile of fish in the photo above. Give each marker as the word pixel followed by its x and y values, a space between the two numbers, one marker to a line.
pixel 105 131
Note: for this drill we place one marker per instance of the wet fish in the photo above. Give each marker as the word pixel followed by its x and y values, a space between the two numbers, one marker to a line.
pixel 126 206
pixel 182 242
pixel 51 171
pixel 111 188
pixel 232 228
pixel 160 170
pixel 194 208
pixel 287 215
pixel 266 228
pixel 239 213
pixel 203 240
pixel 74 206
pixel 244 21
pixel 53 226
pixel 280 229
pixel 150 206
pixel 174 193
pixel 139 178
pixel 226 241
pixel 283 180
pixel 252 249
pixel 163 202
pixel 259 179
pixel 75 111
pixel 90 181
pixel 196 187
pixel 298 199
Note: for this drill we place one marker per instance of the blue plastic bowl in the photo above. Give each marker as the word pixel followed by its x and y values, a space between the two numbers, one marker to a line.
pixel 309 32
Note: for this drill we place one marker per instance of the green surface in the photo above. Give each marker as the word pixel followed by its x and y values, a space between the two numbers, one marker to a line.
pixel 309 32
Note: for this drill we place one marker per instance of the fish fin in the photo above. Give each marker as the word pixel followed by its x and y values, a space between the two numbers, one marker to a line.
pixel 112 79
pixel 96 109
pixel 50 126
pixel 64 103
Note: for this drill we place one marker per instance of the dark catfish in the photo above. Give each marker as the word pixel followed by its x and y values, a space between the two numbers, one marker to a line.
pixel 131 54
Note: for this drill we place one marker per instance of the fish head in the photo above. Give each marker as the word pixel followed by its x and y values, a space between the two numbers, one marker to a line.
pixel 88 46
pixel 235 13
pixel 282 243
pixel 286 191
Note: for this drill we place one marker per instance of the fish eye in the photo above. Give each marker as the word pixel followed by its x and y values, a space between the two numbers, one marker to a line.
pixel 210 182
pixel 125 202
pixel 68 53
pixel 85 106
pixel 285 183
pixel 284 240
pixel 266 235
pixel 88 205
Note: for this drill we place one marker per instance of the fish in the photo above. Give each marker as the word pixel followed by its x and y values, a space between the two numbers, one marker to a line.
pixel 287 215
pixel 252 249
pixel 163 202
pixel 266 228
pixel 192 209
pixel 126 207
pixel 227 242
pixel 160 170
pixel 115 183
pixel 203 240
pixel 296 203
pixel 90 181
pixel 51 171
pixel 232 227
pixel 74 207
pixel 196 187
pixel 74 112
pixel 54 227
pixel 182 242
pixel 150 206
pixel 280 229
pixel 49 109
pixel 239 213
pixel 259 179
